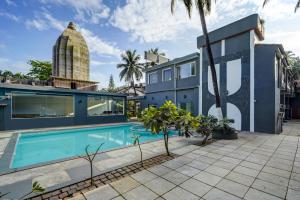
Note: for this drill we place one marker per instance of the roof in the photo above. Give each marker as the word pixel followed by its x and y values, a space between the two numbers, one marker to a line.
pixel 175 61
pixel 252 22
pixel 55 90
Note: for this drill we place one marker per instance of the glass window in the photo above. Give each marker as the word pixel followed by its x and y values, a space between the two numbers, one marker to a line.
pixel 153 78
pixel 30 105
pixel 167 75
pixel 189 106
pixel 105 105
pixel 186 70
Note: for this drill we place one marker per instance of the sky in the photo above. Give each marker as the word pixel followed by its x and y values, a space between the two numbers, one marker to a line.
pixel 29 29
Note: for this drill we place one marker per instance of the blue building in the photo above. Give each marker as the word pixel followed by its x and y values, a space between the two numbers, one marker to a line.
pixel 27 107
pixel 254 79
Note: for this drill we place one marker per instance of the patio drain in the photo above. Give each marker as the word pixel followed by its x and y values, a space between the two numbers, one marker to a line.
pixel 102 179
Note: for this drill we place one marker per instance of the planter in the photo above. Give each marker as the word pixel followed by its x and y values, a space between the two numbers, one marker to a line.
pixel 224 134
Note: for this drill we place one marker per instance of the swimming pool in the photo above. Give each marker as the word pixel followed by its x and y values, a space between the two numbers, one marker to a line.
pixel 41 147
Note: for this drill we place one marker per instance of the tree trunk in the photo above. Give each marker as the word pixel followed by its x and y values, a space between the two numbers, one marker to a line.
pixel 166 140
pixel 91 168
pixel 211 63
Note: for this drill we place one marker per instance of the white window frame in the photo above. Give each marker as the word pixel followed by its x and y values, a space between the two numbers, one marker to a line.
pixel 162 74
pixel 190 63
pixel 155 72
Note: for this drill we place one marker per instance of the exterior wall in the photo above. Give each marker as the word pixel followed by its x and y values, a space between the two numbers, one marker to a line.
pixel 265 89
pixel 295 104
pixel 80 118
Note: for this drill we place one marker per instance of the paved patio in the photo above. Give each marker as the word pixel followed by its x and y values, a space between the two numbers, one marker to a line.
pixel 254 167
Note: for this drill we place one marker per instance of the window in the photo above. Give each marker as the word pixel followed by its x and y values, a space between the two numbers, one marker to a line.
pixel 167 74
pixel 186 70
pixel 31 105
pixel 189 106
pixel 153 78
pixel 105 105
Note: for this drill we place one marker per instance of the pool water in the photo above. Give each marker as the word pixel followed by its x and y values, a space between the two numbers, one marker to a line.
pixel 41 147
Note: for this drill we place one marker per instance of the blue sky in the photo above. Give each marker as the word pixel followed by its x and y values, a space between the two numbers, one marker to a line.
pixel 29 28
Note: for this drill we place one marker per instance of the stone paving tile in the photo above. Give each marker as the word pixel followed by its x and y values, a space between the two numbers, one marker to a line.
pixel 216 194
pixel 232 187
pixel 273 179
pixel 295 185
pixel 52 179
pixel 200 152
pixel 172 164
pixel 125 184
pixel 206 159
pixel 295 176
pixel 275 171
pixel 293 195
pixel 254 194
pixel 217 171
pixel 231 160
pixel 118 198
pixel 144 176
pixel 175 177
pixel 224 164
pixel 240 178
pixel 102 193
pixel 196 187
pixel 246 171
pixel 214 155
pixel 180 194
pixel 199 165
pixel 208 178
pixel 159 170
pixel 276 190
pixel 183 160
pixel 251 165
pixel 160 185
pixel 296 169
pixel 187 170
pixel 140 193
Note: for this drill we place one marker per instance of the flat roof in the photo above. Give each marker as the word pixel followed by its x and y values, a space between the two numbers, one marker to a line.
pixel 252 22
pixel 174 61
pixel 55 90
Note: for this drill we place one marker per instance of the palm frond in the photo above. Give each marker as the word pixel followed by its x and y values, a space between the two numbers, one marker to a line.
pixel 297 6
pixel 265 2
pixel 189 7
pixel 173 2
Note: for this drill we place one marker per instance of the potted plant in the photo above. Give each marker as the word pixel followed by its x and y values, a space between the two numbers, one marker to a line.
pixel 223 130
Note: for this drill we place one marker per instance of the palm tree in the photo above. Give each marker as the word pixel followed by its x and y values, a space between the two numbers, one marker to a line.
pixel 204 7
pixel 296 8
pixel 156 52
pixel 132 69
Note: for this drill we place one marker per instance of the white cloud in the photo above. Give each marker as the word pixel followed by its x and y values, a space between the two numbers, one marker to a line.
pixel 13 65
pixel 9 16
pixel 10 3
pixel 99 63
pixel 287 38
pixel 152 21
pixel 38 24
pixel 99 46
pixel 91 11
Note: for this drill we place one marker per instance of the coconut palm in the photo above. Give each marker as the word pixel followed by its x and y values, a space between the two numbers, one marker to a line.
pixel 204 8
pixel 132 69
pixel 297 5
pixel 156 52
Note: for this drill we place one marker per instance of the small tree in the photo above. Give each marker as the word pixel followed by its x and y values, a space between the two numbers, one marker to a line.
pixel 205 126
pixel 41 70
pixel 111 84
pixel 186 121
pixel 136 141
pixel 90 158
pixel 160 120
pixel 36 188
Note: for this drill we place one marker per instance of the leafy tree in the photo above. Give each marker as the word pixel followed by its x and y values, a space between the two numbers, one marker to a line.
pixel 41 70
pixel 296 7
pixel 132 69
pixel 160 120
pixel 36 188
pixel 294 61
pixel 111 84
pixel 6 73
pixel 186 123
pixel 155 51
pixel 204 8
pixel 205 125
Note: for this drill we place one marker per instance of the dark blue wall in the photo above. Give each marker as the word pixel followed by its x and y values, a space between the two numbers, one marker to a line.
pixel 80 118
